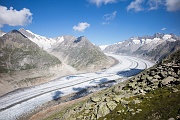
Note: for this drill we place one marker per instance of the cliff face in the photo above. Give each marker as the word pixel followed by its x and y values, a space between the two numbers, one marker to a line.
pixel 17 52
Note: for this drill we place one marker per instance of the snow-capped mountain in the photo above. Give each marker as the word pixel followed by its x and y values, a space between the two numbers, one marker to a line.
pixel 144 45
pixel 2 33
pixel 133 43
pixel 41 41
pixel 103 47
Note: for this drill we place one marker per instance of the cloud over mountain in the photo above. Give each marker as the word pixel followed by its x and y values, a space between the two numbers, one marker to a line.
pixel 81 26
pixel 13 17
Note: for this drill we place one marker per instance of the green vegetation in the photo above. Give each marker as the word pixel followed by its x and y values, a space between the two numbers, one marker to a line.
pixel 159 104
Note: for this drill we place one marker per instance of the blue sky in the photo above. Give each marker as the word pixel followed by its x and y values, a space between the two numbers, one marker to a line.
pixel 101 21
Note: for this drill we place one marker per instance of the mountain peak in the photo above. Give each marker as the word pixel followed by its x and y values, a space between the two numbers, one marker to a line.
pixel 81 38
pixel 16 32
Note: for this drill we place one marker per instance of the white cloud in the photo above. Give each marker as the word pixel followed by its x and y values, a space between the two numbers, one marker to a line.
pixel 172 5
pixel 163 29
pixel 81 26
pixel 12 17
pixel 136 5
pixel 110 16
pixel 105 23
pixel 100 2
pixel 154 4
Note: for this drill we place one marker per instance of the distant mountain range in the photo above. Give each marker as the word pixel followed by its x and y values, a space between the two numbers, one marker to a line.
pixel 153 47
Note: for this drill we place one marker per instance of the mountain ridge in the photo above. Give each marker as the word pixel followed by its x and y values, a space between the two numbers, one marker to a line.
pixel 80 53
pixel 23 52
pixel 144 46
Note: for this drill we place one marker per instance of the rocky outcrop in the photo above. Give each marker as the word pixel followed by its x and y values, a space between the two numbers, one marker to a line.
pixel 132 97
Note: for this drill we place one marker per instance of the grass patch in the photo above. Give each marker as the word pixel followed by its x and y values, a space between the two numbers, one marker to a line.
pixel 159 104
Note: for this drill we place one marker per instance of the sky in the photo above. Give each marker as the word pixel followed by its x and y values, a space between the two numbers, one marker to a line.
pixel 103 22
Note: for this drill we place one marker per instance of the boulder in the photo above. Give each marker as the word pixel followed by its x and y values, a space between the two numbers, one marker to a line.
pixel 175 89
pixel 162 74
pixel 111 105
pixel 167 80
pixel 157 77
pixel 149 78
pixel 132 85
pixel 147 89
pixel 102 110
pixel 124 102
pixel 131 110
pixel 95 110
pixel 116 99
pixel 88 106
pixel 95 99
pixel 171 119
pixel 119 112
pixel 107 99
pixel 79 117
pixel 143 77
pixel 93 117
pixel 152 73
pixel 138 110
pixel 136 101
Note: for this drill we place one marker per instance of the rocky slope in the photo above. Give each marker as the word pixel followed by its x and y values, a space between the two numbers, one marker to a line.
pixel 152 94
pixel 151 47
pixel 23 63
pixel 19 53
pixel 80 53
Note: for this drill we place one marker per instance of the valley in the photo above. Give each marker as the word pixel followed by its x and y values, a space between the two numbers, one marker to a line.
pixel 23 102
pixel 89 60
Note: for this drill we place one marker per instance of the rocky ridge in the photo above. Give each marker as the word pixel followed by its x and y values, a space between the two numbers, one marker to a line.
pixel 150 47
pixel 152 94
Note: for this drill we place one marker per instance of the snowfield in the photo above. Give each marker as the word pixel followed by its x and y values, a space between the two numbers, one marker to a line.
pixel 21 102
